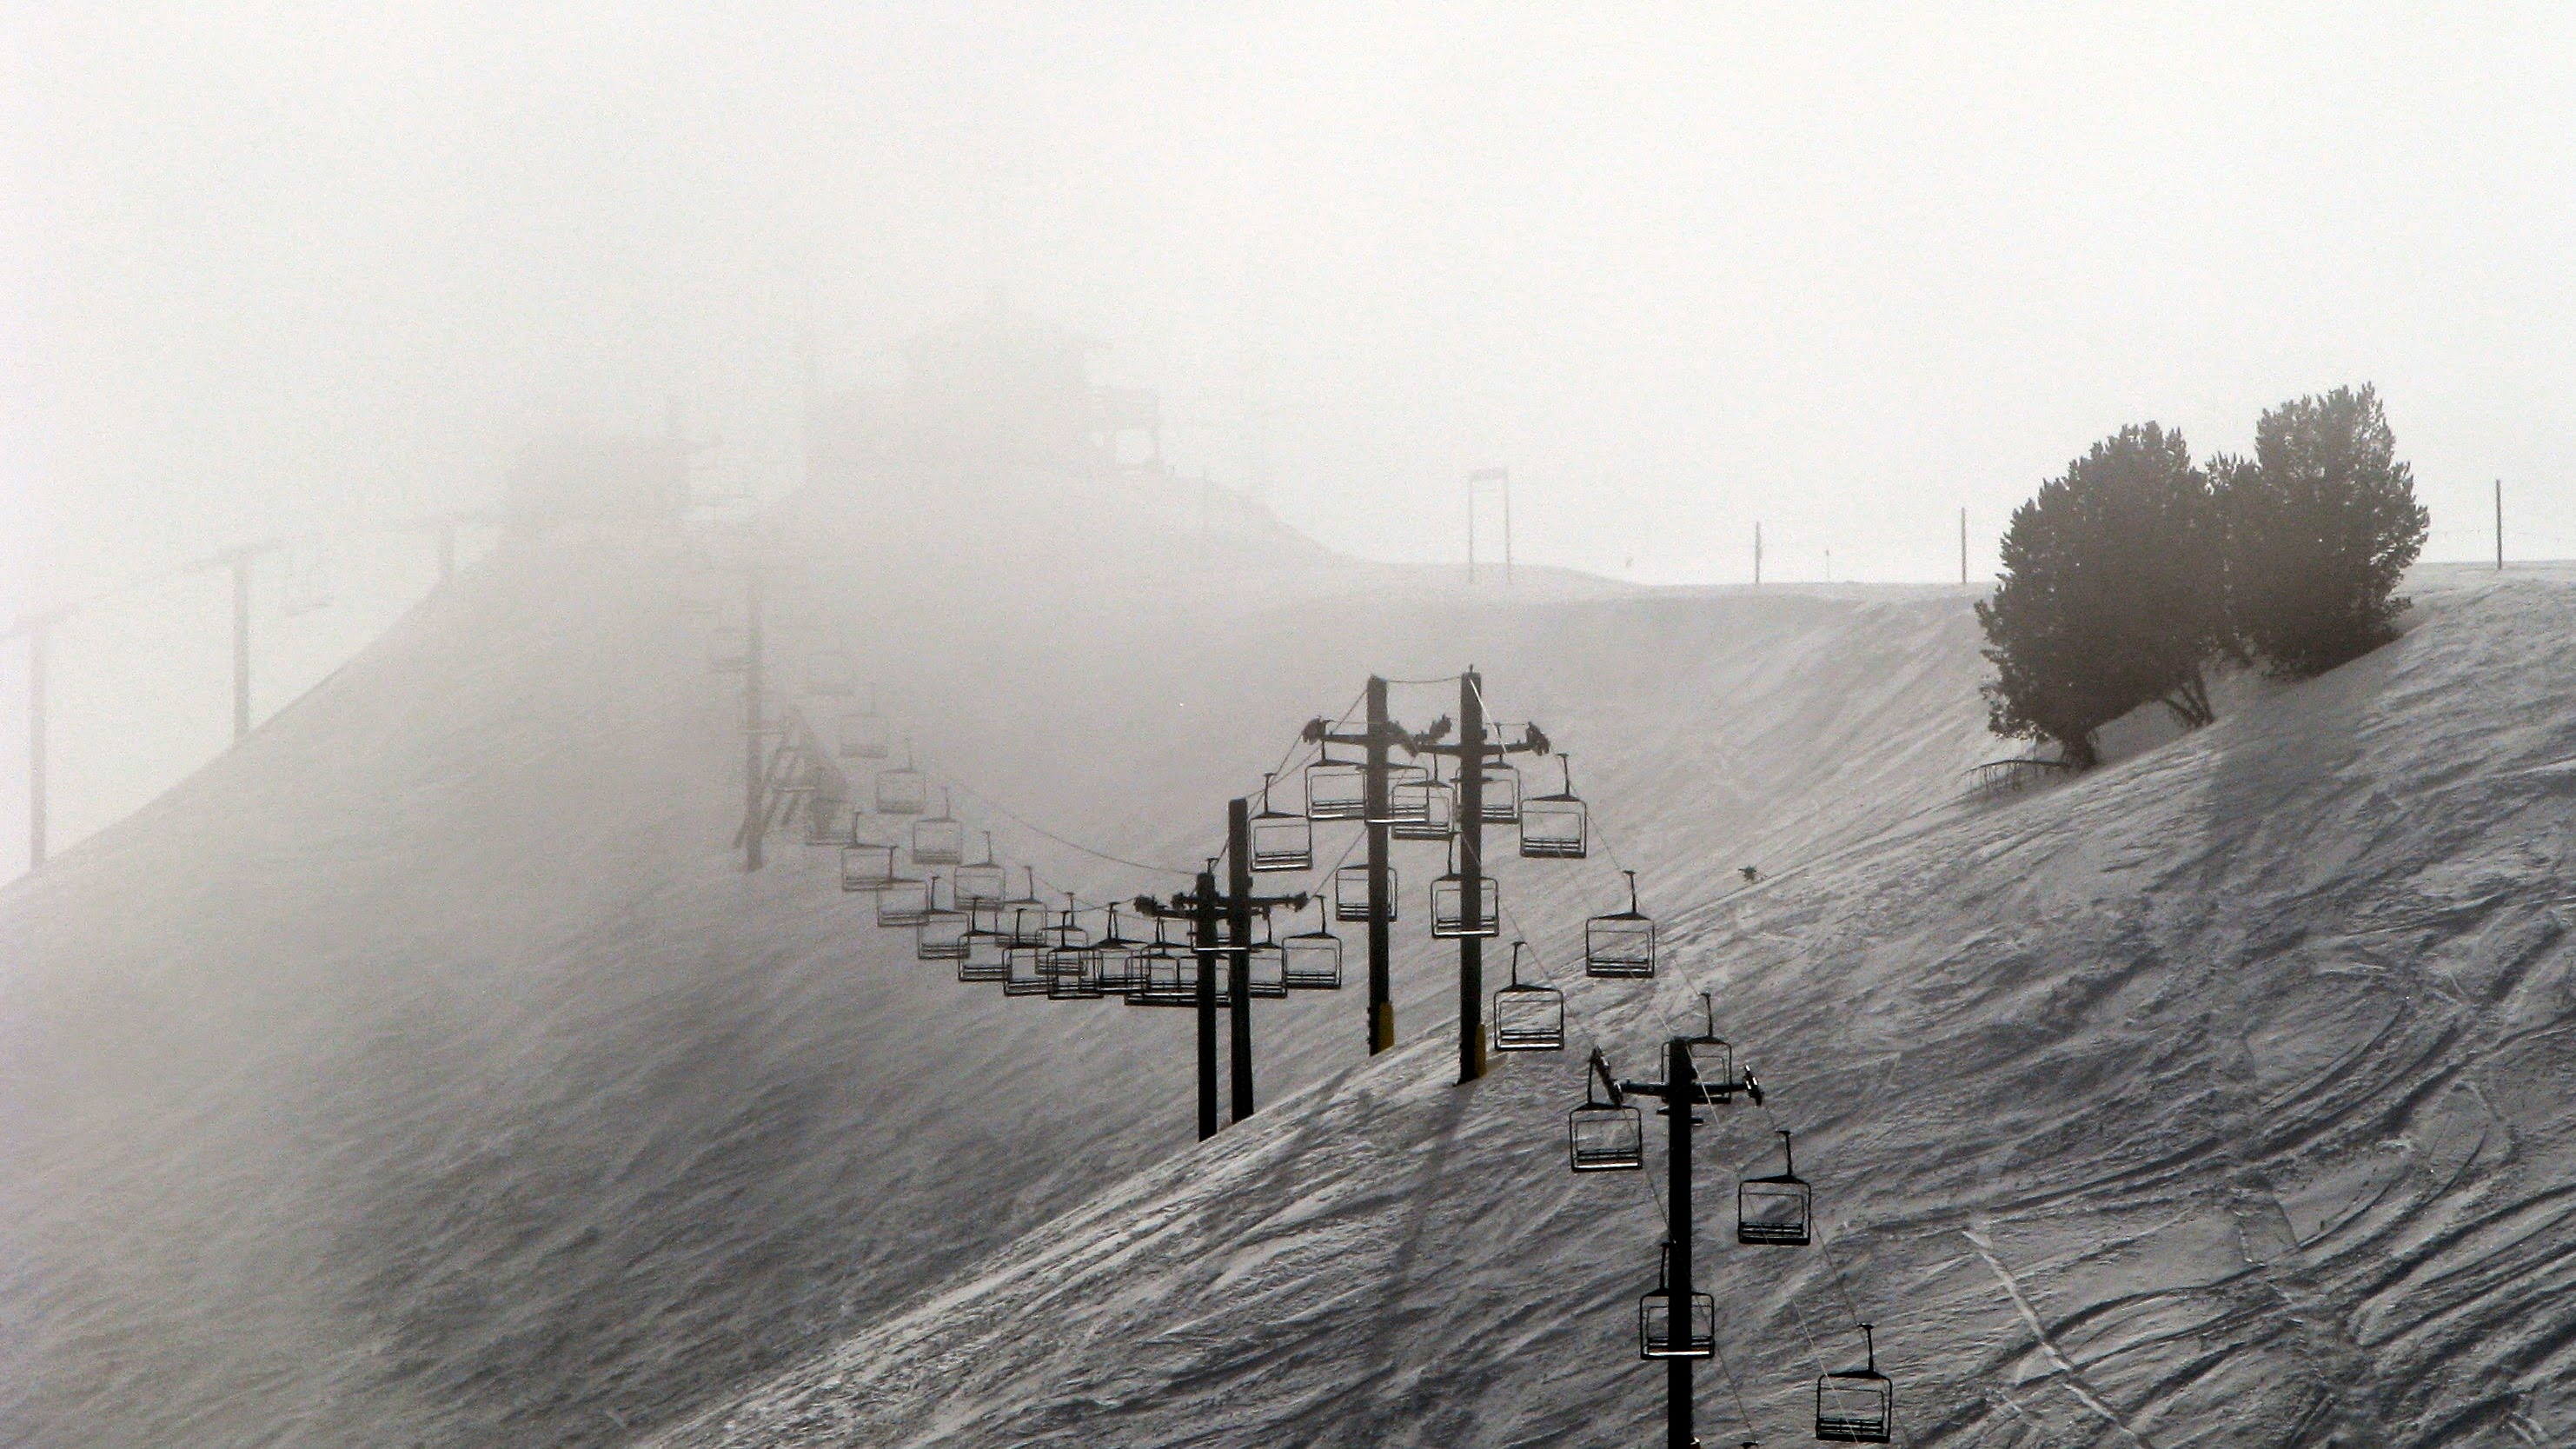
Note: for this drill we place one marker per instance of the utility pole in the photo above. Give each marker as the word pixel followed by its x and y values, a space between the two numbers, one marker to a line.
pixel 240 559
pixel 1238 921
pixel 755 803
pixel 36 665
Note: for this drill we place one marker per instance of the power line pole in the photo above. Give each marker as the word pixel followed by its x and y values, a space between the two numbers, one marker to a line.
pixel 36 666
pixel 755 803
pixel 240 559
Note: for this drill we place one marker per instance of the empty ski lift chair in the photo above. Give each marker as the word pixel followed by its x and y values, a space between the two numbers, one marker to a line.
pixel 865 735
pixel 1407 798
pixel 1024 971
pixel 1265 966
pixel 829 674
pixel 902 903
pixel 1336 790
pixel 1528 1017
pixel 1421 808
pixel 940 934
pixel 1166 975
pixel 1072 966
pixel 1023 919
pixel 867 867
pixel 1712 1060
pixel 1622 944
pixel 1604 1136
pixel 1856 1406
pixel 827 820
pixel 728 649
pixel 1451 898
pixel 902 790
pixel 1351 894
pixel 1281 841
pixel 1558 826
pixel 1118 956
pixel 982 961
pixel 1502 787
pixel 979 881
pixel 1775 1211
pixel 938 839
pixel 1314 957
pixel 1656 1327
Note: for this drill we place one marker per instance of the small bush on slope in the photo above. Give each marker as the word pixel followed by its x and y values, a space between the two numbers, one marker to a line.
pixel 2321 524
pixel 2111 595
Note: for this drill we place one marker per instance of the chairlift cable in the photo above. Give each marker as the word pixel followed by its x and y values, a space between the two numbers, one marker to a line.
pixel 1718 1352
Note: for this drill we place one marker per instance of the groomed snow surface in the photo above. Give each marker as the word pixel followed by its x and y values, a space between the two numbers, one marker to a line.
pixel 427 1071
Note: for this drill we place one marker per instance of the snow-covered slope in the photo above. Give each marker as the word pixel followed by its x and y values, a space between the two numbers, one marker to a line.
pixel 427 1072
pixel 2220 1097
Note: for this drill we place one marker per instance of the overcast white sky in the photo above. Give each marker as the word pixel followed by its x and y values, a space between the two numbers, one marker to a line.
pixel 1841 269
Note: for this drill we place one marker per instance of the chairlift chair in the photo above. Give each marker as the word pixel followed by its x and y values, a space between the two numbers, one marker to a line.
pixel 1712 1060
pixel 1528 1017
pixel 830 674
pixel 903 903
pixel 982 961
pixel 1424 808
pixel 1118 956
pixel 902 790
pixel 1620 945
pixel 1265 967
pixel 1502 793
pixel 1281 841
pixel 1558 826
pixel 1336 790
pixel 728 649
pixel 1314 957
pixel 1023 919
pixel 1451 898
pixel 1655 1328
pixel 1024 971
pixel 827 820
pixel 978 881
pixel 865 735
pixel 1856 1406
pixel 1775 1211
pixel 938 839
pixel 1604 1136
pixel 1351 894
pixel 940 934
pixel 1165 975
pixel 867 867
pixel 1072 960
pixel 1407 795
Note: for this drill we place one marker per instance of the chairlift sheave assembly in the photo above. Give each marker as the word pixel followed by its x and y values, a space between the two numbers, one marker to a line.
pixel 1620 945
pixel 1528 1017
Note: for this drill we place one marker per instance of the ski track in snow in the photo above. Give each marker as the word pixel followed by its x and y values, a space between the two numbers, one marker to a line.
pixel 425 1073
